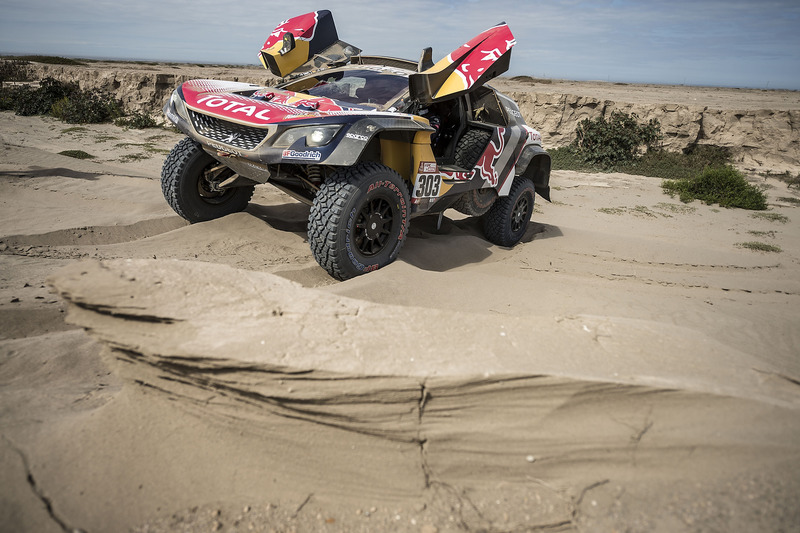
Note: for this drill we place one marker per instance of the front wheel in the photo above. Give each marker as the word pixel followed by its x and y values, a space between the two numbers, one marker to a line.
pixel 507 220
pixel 190 181
pixel 359 220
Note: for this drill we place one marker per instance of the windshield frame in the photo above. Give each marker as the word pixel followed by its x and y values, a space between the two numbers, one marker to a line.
pixel 312 80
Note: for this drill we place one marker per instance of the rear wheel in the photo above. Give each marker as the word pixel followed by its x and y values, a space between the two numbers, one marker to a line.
pixel 469 149
pixel 359 220
pixel 507 220
pixel 190 181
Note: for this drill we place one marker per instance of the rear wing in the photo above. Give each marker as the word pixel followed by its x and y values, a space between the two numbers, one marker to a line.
pixel 306 40
pixel 468 67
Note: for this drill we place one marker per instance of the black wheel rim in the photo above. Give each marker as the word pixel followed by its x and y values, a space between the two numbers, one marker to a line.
pixel 374 224
pixel 208 183
pixel 520 214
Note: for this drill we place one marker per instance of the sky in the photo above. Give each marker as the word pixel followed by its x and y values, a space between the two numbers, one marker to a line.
pixel 726 43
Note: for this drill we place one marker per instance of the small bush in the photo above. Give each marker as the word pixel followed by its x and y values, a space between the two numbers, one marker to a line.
pixel 86 107
pixel 13 70
pixel 77 154
pixel 65 101
pixel 723 185
pixel 656 163
pixel 616 140
pixel 568 158
pixel 771 217
pixel 759 246
pixel 9 96
pixel 136 121
pixel 39 101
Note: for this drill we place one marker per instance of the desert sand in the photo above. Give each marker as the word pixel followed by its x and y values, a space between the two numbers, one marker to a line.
pixel 628 367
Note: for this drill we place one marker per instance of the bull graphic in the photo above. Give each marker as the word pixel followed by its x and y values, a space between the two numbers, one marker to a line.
pixel 486 164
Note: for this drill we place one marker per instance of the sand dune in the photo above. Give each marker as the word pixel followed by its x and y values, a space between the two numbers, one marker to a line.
pixel 628 366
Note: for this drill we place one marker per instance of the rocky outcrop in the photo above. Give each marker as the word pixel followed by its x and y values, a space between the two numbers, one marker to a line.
pixel 759 139
pixel 139 89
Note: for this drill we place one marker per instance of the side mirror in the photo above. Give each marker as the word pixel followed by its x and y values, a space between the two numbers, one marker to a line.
pixel 425 59
pixel 288 44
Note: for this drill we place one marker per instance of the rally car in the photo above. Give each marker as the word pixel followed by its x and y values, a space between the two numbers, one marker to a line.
pixel 368 142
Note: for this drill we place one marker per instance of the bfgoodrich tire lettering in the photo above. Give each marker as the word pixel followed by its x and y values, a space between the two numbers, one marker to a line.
pixel 507 220
pixel 187 181
pixel 359 220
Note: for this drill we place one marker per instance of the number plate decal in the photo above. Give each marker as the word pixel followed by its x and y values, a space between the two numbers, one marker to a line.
pixel 427 186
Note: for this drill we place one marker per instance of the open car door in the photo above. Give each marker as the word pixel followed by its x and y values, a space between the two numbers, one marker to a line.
pixel 304 39
pixel 484 57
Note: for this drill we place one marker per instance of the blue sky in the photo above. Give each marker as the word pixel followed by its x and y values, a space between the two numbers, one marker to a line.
pixel 701 42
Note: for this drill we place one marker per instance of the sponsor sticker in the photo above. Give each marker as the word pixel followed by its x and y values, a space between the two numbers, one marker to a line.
pixel 427 167
pixel 308 154
pixel 225 149
pixel 357 137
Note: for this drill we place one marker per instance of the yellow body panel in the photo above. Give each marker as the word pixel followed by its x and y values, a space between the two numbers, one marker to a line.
pixel 291 60
pixel 395 155
pixel 453 84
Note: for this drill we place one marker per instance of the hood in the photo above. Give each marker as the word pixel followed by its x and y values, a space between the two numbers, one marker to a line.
pixel 259 106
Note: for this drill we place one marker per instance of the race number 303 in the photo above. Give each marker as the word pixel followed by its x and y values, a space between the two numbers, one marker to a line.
pixel 427 186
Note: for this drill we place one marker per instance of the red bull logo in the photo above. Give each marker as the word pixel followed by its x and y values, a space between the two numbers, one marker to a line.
pixel 486 164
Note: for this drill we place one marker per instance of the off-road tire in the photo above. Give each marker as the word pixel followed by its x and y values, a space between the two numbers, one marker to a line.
pixel 184 182
pixel 469 149
pixel 507 220
pixel 359 220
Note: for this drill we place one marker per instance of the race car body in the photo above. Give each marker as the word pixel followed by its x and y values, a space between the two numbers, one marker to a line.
pixel 396 138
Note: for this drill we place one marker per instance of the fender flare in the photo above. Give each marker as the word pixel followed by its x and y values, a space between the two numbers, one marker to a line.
pixel 363 132
pixel 534 164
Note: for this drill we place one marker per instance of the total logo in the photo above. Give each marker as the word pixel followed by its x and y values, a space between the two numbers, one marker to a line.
pixel 232 106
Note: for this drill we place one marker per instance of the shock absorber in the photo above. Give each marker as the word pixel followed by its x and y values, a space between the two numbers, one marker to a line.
pixel 315 175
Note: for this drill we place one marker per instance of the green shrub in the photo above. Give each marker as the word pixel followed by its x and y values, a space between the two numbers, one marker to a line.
pixel 759 246
pixel 9 96
pixel 86 107
pixel 771 217
pixel 614 141
pixel 77 154
pixel 136 121
pixel 723 185
pixel 677 165
pixel 789 200
pixel 65 101
pixel 568 158
pixel 39 101
pixel 13 70
pixel 656 163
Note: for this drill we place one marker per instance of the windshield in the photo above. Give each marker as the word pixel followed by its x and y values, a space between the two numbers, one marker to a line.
pixel 354 86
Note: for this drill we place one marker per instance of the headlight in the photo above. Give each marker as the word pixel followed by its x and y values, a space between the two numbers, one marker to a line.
pixel 315 135
pixel 177 102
